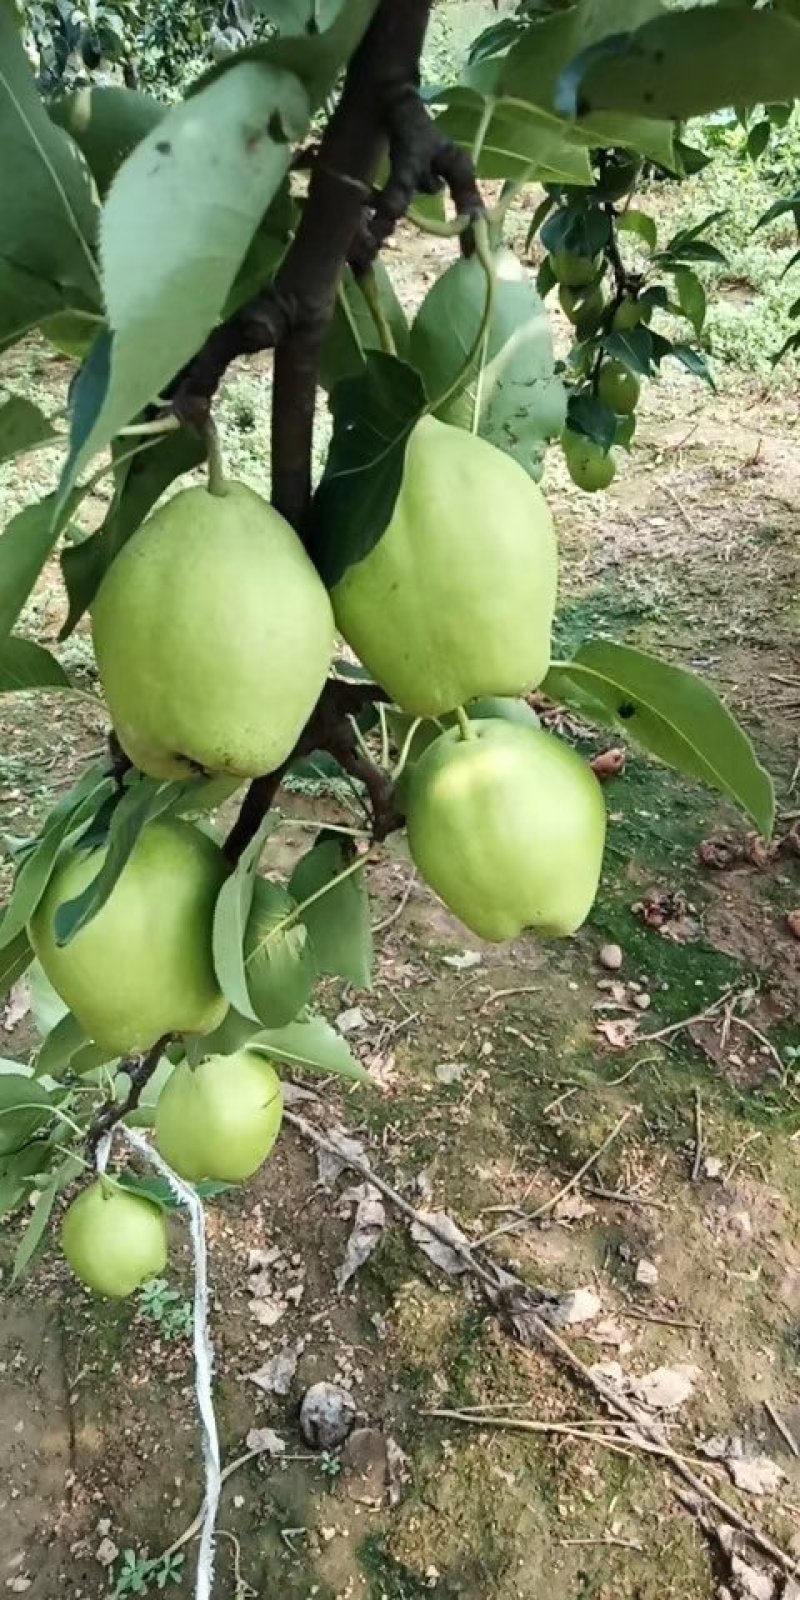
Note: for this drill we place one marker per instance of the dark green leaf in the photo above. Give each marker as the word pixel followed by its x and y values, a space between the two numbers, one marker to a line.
pixel 691 297
pixel 672 714
pixel 591 416
pixel 338 922
pixel 639 222
pixel 17 1171
pixel 159 1191
pixel 141 481
pixel 24 1108
pixel 312 1046
pixel 16 956
pixel 22 427
pixel 34 875
pixel 687 64
pixel 46 202
pixel 25 665
pixel 521 404
pixel 780 209
pixel 176 228
pixel 578 229
pixel 35 1231
pixel 353 331
pixel 141 803
pixel 634 349
pixel 25 545
pixel 758 138
pixel 106 123
pixel 372 419
pixel 694 361
pixel 518 141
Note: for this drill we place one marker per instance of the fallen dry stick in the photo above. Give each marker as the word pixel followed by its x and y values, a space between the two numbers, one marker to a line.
pixel 567 1188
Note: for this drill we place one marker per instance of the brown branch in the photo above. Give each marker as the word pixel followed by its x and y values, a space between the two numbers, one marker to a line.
pixel 140 1070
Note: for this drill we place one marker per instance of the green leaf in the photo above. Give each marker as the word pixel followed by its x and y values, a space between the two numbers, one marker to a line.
pixel 159 1191
pixel 231 915
pixel 141 481
pixel 25 665
pixel 175 230
pixel 16 956
pixel 533 69
pixel 25 545
pixel 338 922
pixel 589 415
pixel 691 297
pixel 521 403
pixel 519 141
pixel 694 361
pixel 141 803
pixel 353 332
pixel 37 1227
pixel 46 202
pixel 280 964
pixel 372 419
pixel 47 1007
pixel 106 123
pixel 17 1171
pixel 25 1106
pixel 670 713
pixel 639 222
pixel 687 64
pixel 634 349
pixel 316 59
pixel 60 1046
pixel 82 803
pixel 266 250
pixel 22 427
pixel 312 1046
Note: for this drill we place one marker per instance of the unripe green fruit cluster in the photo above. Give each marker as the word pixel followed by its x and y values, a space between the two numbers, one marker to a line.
pixel 214 635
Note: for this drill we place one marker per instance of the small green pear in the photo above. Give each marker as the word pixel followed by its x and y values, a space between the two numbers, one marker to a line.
pixel 114 1240
pixel 143 966
pixel 588 464
pixel 213 635
pixel 219 1120
pixel 618 388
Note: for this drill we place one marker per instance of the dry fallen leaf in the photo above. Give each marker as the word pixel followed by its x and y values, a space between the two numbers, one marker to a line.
pixel 666 1388
pixel 436 1249
pixel 17 1005
pixel 370 1221
pixel 266 1441
pixel 463 962
pixel 573 1308
pixel 275 1377
pixel 572 1208
pixel 756 1474
pixel 618 1032
pixel 330 1163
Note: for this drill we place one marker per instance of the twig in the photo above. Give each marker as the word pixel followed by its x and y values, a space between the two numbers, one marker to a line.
pixel 233 1466
pixel 698 1135
pixel 140 1070
pixel 572 1183
pixel 782 1427
pixel 766 1044
pixel 625 1197
pixel 608 1541
pixel 644 1061
pixel 394 916
pixel 511 1298
pixel 738 1154
pixel 687 1022
pixel 666 1322
pixel 505 994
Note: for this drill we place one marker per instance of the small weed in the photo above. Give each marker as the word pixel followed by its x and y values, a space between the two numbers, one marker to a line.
pixel 139 1575
pixel 330 1465
pixel 165 1307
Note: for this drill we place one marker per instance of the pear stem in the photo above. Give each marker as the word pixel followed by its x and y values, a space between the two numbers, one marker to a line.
pixel 467 730
pixel 217 481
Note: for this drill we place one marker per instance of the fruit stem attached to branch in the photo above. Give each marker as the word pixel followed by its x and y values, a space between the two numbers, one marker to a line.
pixel 140 1070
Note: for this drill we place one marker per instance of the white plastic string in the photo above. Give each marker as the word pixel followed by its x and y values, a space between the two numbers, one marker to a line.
pixel 203 1349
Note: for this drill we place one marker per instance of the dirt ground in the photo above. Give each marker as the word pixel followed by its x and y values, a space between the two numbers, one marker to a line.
pixel 498 1073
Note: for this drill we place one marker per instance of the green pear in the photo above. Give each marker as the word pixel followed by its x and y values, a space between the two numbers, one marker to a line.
pixel 508 826
pixel 114 1240
pixel 219 1120
pixel 588 464
pixel 457 597
pixel 575 272
pixel 213 635
pixel 143 966
pixel 618 388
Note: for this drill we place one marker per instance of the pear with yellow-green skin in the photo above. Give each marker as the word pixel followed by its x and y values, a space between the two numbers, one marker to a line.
pixel 114 1240
pixel 219 1120
pixel 143 966
pixel 456 599
pixel 213 635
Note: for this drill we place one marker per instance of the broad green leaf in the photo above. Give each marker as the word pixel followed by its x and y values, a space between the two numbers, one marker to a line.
pixel 141 803
pixel 315 58
pixel 691 297
pixel 353 331
pixel 46 202
pixel 519 141
pixel 694 361
pixel 372 419
pixel 312 1046
pixel 520 402
pixel 634 349
pixel 670 713
pixel 159 1191
pixel 47 1007
pixel 15 959
pixel 231 915
pixel 37 1227
pixel 22 427
pixel 25 545
pixel 32 879
pixel 17 1171
pixel 338 921
pixel 280 965
pixel 106 123
pixel 234 1031
pixel 532 71
pixel 639 222
pixel 589 415
pixel 60 1046
pixel 141 481
pixel 25 665
pixel 176 227
pixel 24 1108
pixel 686 64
